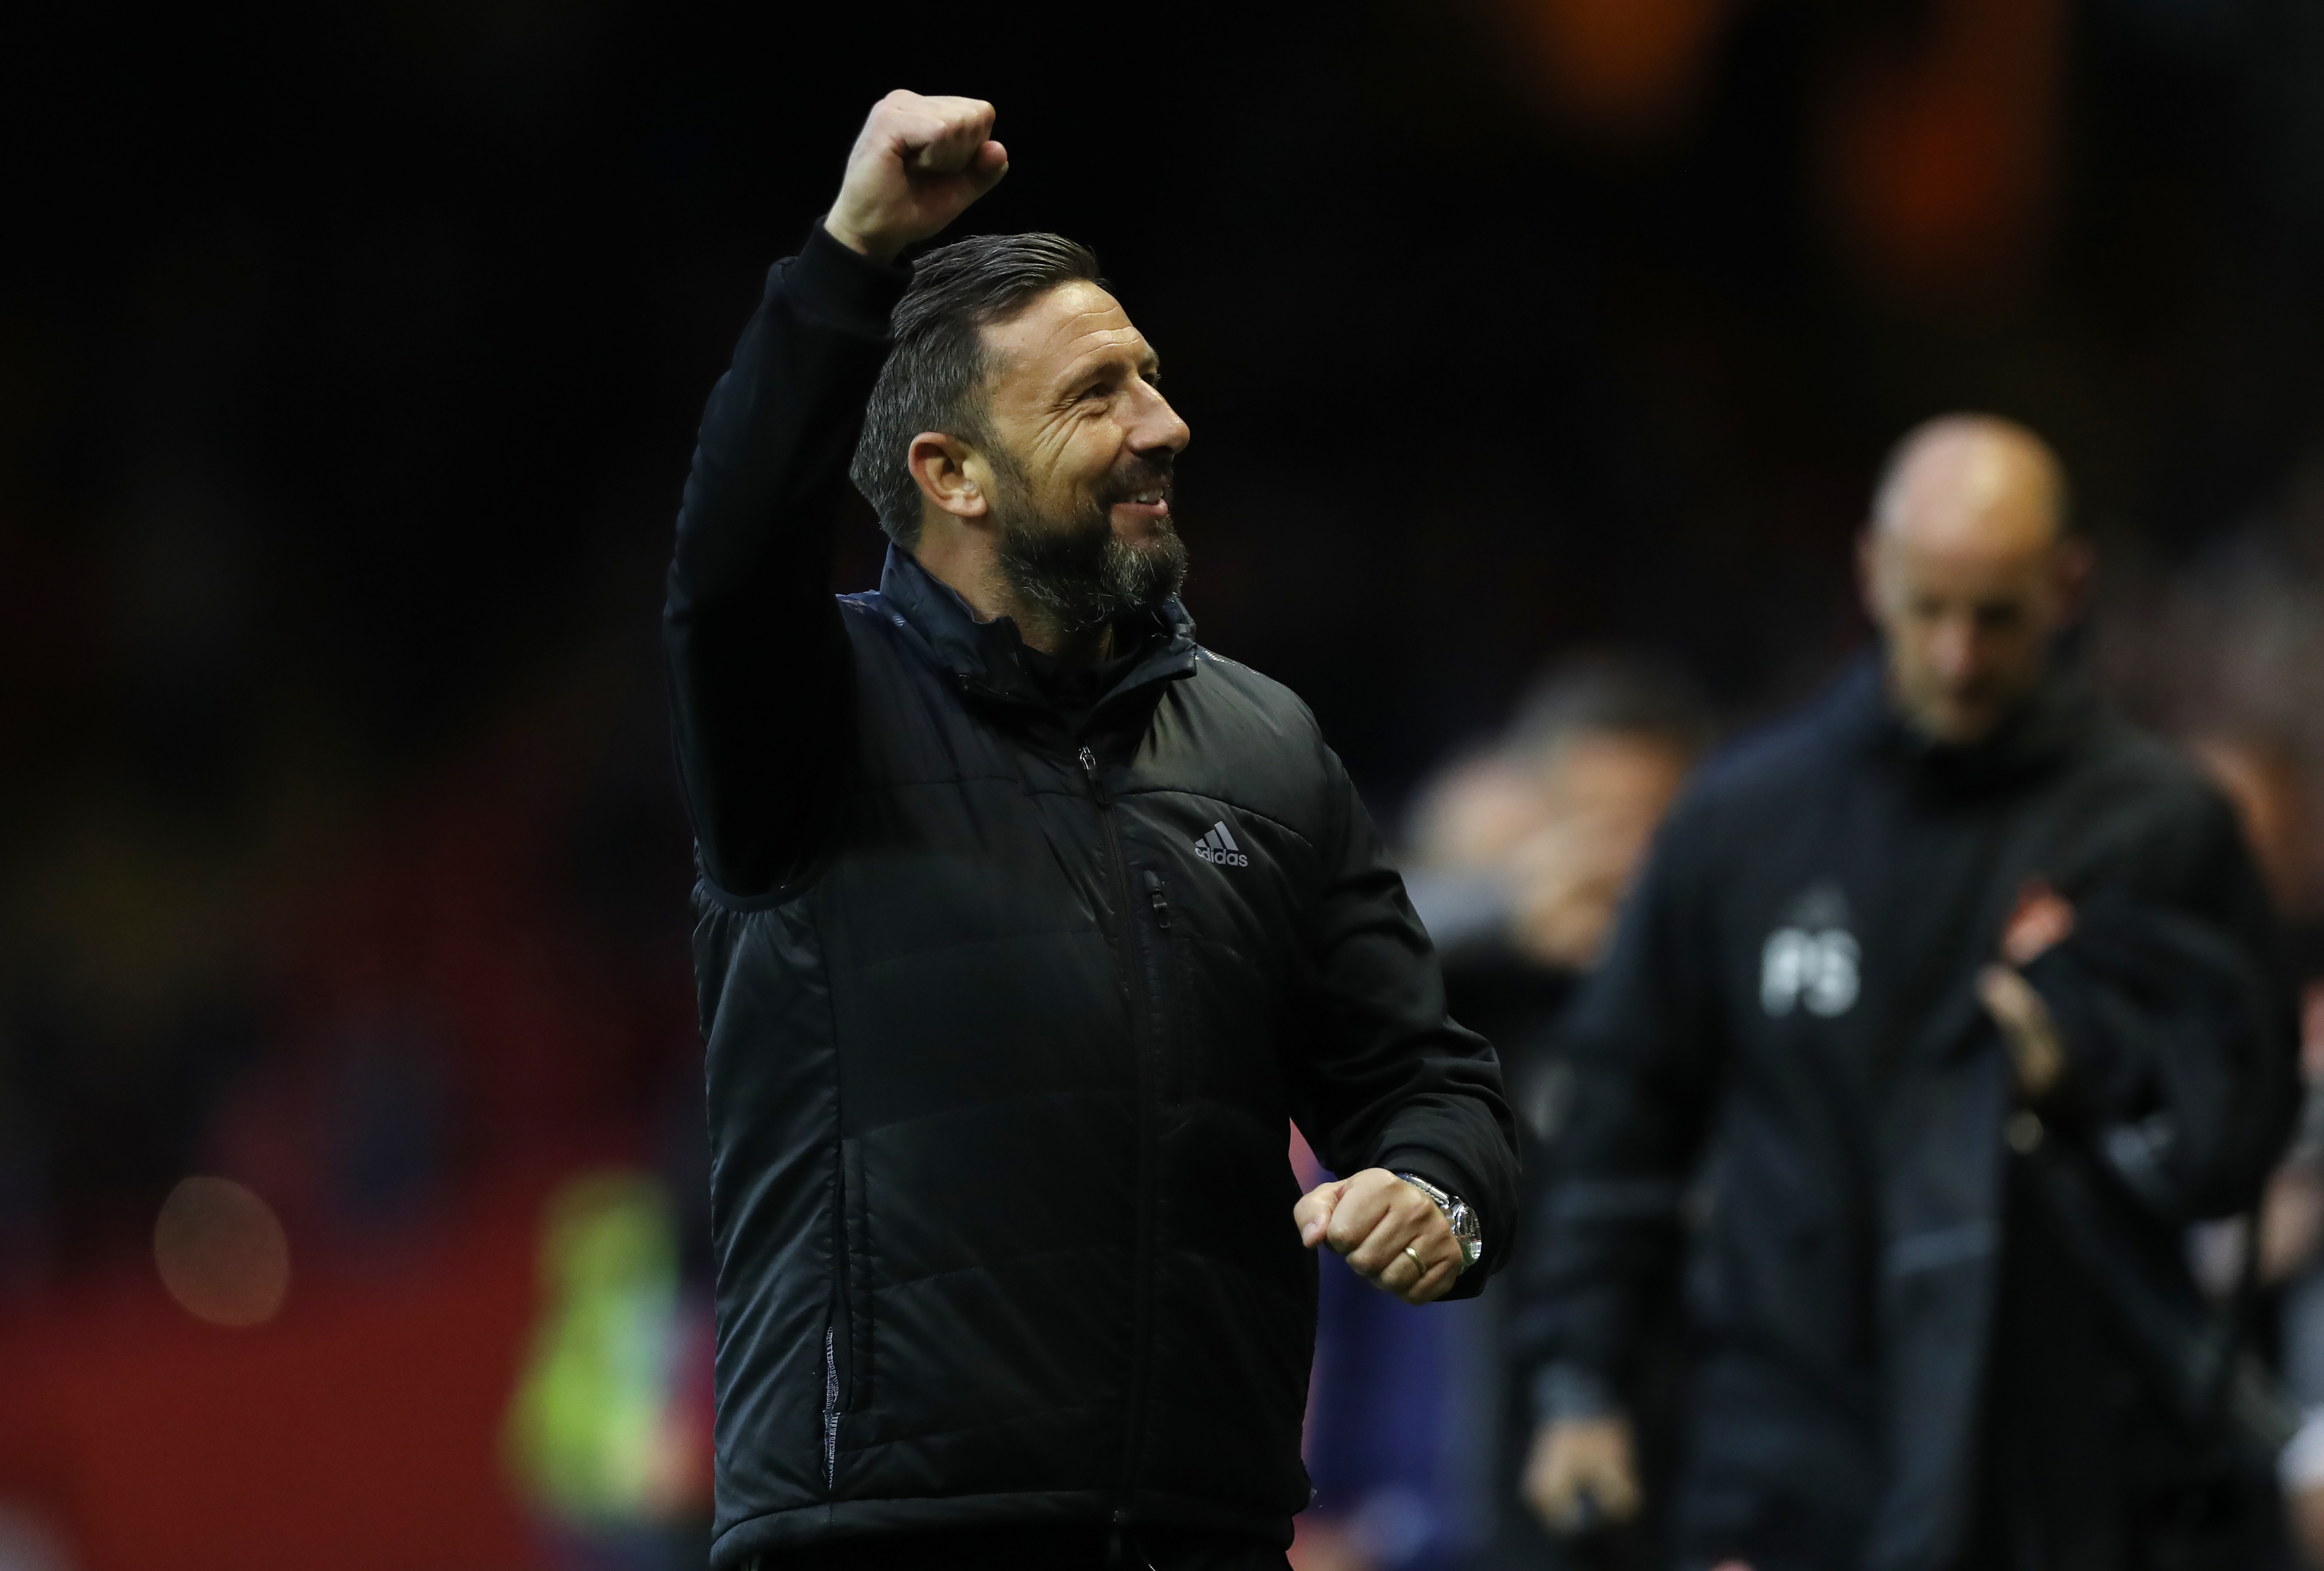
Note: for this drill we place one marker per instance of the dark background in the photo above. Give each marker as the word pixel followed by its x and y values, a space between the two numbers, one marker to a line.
pixel 397 318
pixel 350 356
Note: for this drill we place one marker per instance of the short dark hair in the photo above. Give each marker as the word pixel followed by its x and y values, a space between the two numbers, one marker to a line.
pixel 934 377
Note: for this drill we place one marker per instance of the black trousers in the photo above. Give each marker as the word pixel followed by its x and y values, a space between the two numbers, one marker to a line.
pixel 1033 1548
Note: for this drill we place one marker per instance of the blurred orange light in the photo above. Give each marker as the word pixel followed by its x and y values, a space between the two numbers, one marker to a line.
pixel 221 1253
pixel 1626 68
pixel 1941 148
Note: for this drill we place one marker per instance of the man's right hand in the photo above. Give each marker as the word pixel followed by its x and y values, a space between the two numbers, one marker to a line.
pixel 1581 1475
pixel 918 165
pixel 2043 919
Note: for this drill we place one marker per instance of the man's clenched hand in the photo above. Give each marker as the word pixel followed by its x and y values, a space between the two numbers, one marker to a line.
pixel 2043 919
pixel 1582 1473
pixel 1373 1218
pixel 918 165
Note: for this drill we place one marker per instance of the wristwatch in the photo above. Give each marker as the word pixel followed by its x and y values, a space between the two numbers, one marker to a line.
pixel 1468 1232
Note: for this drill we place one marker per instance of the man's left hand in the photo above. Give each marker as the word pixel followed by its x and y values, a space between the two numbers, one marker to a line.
pixel 1392 1235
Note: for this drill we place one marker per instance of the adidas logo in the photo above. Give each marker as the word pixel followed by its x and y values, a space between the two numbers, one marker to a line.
pixel 1219 846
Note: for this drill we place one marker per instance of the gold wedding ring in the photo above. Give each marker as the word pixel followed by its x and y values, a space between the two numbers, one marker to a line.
pixel 1417 1261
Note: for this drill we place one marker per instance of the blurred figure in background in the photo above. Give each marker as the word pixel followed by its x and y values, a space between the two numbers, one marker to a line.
pixel 1520 851
pixel 2226 652
pixel 603 1439
pixel 2292 1256
pixel 2267 786
pixel 1606 744
pixel 1942 1010
pixel 1523 849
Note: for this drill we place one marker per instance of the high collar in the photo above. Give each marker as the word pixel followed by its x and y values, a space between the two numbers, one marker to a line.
pixel 985 655
pixel 2044 727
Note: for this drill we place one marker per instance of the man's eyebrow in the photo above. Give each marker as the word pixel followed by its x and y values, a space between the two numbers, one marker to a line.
pixel 1148 364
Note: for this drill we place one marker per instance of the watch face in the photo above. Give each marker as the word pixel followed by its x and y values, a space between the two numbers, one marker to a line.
pixel 1466 1233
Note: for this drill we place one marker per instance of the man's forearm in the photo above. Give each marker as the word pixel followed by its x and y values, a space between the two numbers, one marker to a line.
pixel 1391 1081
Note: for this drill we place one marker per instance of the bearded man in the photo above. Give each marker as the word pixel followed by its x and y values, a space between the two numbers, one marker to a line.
pixel 1025 926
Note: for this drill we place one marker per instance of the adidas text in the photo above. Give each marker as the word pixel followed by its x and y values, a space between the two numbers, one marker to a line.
pixel 1219 848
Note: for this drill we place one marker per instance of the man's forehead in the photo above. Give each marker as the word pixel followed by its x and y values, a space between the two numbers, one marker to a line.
pixel 1072 324
pixel 1964 566
pixel 2001 535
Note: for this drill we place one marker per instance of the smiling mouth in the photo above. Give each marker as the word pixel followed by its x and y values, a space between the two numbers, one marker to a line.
pixel 1154 497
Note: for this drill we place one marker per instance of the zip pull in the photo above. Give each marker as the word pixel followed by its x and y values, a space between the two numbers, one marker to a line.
pixel 1159 898
pixel 1097 787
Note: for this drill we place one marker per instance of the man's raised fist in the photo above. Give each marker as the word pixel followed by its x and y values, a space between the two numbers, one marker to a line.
pixel 916 166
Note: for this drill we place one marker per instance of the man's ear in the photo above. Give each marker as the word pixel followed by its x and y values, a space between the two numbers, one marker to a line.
pixel 1868 573
pixel 2076 560
pixel 950 473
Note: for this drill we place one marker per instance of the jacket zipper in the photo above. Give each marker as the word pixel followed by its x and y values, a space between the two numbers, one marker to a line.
pixel 830 1407
pixel 1142 1040
pixel 838 1350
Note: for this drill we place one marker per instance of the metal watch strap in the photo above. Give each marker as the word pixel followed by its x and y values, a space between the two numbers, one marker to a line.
pixel 1468 1232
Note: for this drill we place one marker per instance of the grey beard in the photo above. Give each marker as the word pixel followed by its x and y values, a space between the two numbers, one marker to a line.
pixel 1076 575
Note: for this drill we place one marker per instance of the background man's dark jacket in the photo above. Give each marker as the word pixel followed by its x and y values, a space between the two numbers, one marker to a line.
pixel 1006 1008
pixel 1787 1016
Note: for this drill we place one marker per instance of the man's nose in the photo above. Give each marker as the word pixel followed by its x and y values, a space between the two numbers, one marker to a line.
pixel 1956 649
pixel 1158 426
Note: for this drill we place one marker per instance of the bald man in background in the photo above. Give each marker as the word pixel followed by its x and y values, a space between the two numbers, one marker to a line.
pixel 1944 1008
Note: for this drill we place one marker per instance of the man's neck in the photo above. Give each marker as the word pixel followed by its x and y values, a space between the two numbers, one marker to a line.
pixel 976 577
pixel 1089 646
pixel 1930 732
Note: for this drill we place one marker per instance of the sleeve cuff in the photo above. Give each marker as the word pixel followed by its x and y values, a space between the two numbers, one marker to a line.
pixel 1568 1391
pixel 830 284
pixel 1428 1164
